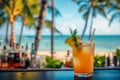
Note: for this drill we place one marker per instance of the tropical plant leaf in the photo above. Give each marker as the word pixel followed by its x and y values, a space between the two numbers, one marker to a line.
pixel 114 17
pixel 71 31
pixel 29 10
pixel 2 18
pixel 83 7
pixel 56 11
pixel 8 10
pixel 112 7
pixel 48 24
pixel 18 4
pixel 94 12
pixel 31 22
pixel 108 3
pixel 26 10
pixel 57 30
pixel 86 14
pixel 118 53
pixel 101 11
pixel 79 2
pixel 35 9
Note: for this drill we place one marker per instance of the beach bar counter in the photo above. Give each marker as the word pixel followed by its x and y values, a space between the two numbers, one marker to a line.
pixel 59 74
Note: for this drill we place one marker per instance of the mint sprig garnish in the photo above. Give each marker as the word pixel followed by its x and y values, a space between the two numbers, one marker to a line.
pixel 75 38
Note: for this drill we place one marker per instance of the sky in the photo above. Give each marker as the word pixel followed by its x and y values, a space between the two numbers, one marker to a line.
pixel 71 18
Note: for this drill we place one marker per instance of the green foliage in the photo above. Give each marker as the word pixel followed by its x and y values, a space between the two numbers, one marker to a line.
pixel 2 17
pixel 48 24
pixel 56 11
pixel 86 14
pixel 114 9
pixel 74 36
pixel 99 61
pixel 118 53
pixel 50 63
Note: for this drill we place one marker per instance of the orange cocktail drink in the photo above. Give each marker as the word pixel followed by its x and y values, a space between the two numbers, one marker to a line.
pixel 83 58
pixel 83 54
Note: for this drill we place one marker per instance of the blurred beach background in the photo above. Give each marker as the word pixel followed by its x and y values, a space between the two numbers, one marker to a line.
pixel 107 34
pixel 103 43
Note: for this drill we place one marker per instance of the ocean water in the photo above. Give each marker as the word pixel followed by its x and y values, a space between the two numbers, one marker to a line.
pixel 102 43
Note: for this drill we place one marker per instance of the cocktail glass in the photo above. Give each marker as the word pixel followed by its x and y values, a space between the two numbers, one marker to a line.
pixel 83 59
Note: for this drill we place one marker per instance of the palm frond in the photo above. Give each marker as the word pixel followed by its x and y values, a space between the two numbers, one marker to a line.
pixel 105 2
pixel 83 7
pixel 56 11
pixel 79 2
pixel 57 30
pixel 3 18
pixel 1 13
pixel 86 14
pixel 101 11
pixel 48 24
pixel 94 12
pixel 71 31
pixel 24 2
pixel 31 22
pixel 114 17
pixel 26 10
pixel 113 8
pixel 8 10
pixel 35 9
pixel 118 8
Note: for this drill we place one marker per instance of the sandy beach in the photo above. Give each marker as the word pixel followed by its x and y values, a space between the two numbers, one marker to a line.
pixel 61 55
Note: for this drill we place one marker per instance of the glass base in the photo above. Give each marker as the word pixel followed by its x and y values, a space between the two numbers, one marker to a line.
pixel 83 75
pixel 78 76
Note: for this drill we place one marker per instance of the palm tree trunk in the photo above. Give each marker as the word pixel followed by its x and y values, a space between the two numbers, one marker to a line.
pixel 21 32
pixel 7 31
pixel 52 30
pixel 13 38
pixel 85 27
pixel 40 23
pixel 12 21
pixel 90 32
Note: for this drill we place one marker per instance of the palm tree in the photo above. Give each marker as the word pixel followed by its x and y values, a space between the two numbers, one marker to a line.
pixel 52 30
pixel 90 7
pixel 28 22
pixel 114 9
pixel 13 8
pixel 27 15
pixel 40 23
pixel 55 12
pixel 47 24
pixel 4 20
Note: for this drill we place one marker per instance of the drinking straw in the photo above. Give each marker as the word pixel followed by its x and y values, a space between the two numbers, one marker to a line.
pixel 92 36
